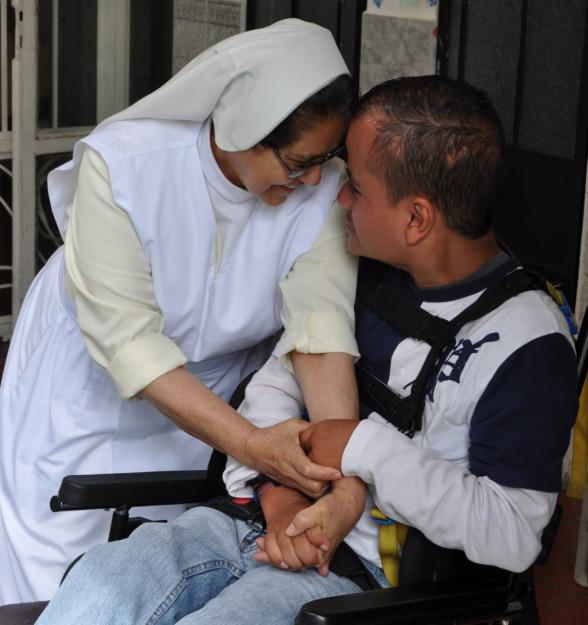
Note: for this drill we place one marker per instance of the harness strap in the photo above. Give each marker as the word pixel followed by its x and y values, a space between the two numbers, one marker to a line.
pixel 406 317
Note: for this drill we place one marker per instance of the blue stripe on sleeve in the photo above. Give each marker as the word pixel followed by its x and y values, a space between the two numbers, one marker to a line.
pixel 520 429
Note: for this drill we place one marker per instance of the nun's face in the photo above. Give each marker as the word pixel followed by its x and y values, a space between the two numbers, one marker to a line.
pixel 265 173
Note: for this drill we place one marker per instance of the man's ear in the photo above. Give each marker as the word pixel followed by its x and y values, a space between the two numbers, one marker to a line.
pixel 421 219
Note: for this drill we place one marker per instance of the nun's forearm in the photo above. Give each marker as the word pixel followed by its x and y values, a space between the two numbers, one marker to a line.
pixel 328 385
pixel 198 411
pixel 274 451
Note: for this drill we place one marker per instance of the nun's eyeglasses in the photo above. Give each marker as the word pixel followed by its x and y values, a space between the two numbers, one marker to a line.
pixel 296 172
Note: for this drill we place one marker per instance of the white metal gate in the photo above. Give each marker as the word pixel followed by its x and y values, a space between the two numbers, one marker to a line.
pixel 29 149
pixel 26 141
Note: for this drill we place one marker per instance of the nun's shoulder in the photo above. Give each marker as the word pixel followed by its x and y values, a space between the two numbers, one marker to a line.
pixel 142 136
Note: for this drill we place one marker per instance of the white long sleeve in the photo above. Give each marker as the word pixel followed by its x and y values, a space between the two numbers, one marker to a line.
pixel 109 278
pixel 492 524
pixel 319 296
pixel 272 396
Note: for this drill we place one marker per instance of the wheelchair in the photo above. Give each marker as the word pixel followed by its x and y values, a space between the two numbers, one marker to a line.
pixel 437 585
pixel 455 596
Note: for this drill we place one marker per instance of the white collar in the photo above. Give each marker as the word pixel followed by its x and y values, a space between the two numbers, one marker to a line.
pixel 213 173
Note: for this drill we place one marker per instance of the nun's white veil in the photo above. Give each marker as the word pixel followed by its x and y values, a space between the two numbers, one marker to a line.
pixel 249 83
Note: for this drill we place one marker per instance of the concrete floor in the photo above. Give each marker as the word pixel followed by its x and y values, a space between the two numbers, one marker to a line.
pixel 560 600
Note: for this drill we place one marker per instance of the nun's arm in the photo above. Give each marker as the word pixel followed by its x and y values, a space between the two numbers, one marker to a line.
pixel 108 276
pixel 109 279
pixel 274 451
pixel 318 342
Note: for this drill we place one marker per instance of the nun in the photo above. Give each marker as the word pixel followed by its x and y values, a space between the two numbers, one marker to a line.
pixel 196 224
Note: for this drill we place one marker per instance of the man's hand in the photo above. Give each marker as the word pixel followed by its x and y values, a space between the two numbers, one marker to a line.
pixel 325 442
pixel 335 514
pixel 276 452
pixel 280 506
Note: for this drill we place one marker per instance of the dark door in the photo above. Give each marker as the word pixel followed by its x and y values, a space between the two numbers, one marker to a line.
pixel 341 17
pixel 531 57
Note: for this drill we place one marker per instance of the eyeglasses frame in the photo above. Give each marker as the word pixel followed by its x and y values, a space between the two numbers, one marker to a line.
pixel 300 171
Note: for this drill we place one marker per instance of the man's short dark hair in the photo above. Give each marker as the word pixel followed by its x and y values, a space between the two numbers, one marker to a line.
pixel 441 139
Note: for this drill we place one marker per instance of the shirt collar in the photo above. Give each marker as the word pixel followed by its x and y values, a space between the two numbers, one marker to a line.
pixel 213 173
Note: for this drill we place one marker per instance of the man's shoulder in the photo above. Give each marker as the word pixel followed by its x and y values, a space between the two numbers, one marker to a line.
pixel 519 343
pixel 524 318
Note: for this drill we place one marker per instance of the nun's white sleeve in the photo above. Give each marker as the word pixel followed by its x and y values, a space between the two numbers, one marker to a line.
pixel 319 294
pixel 109 278
pixel 273 395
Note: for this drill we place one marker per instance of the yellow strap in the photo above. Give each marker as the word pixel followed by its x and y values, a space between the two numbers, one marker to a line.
pixel 579 468
pixel 555 293
pixel 578 477
pixel 392 537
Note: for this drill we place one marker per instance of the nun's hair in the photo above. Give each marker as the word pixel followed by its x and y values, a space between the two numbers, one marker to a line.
pixel 333 100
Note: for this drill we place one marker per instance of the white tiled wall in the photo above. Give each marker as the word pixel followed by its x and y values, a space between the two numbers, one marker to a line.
pixel 395 46
pixel 198 24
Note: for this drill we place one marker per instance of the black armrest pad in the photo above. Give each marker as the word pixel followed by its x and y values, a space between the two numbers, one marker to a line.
pixel 21 613
pixel 85 492
pixel 421 604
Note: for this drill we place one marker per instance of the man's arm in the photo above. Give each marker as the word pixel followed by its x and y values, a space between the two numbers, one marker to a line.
pixel 275 394
pixel 492 524
pixel 299 534
pixel 517 438
pixel 272 396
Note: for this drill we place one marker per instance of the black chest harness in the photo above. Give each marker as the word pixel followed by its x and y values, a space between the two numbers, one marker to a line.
pixel 374 292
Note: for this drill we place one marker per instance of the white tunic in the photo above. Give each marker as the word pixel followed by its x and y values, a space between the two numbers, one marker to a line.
pixel 61 412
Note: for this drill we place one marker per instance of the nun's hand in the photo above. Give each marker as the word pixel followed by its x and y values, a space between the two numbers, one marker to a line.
pixel 276 452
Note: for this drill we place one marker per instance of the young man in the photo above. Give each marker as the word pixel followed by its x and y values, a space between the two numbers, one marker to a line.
pixel 481 468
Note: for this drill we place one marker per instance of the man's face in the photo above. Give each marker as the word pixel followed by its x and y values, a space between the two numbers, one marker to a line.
pixel 374 227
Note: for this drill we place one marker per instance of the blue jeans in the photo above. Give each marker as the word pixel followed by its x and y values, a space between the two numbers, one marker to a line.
pixel 195 570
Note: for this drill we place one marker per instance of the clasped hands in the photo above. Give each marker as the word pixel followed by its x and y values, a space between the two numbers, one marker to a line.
pixel 301 533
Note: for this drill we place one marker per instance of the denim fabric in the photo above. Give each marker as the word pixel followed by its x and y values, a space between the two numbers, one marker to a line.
pixel 195 570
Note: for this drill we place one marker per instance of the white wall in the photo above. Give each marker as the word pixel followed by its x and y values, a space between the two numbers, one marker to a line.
pixel 199 24
pixel 399 38
pixel 413 9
